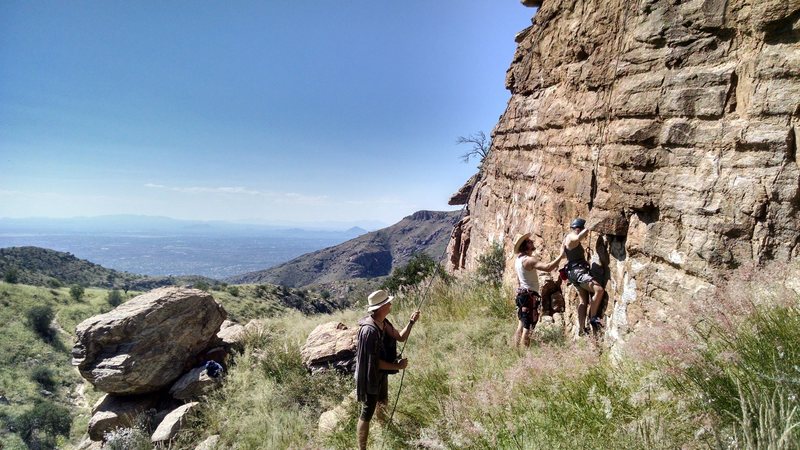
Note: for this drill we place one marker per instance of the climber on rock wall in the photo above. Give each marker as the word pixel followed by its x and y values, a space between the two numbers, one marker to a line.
pixel 579 275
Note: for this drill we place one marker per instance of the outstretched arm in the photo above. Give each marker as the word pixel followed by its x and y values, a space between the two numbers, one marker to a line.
pixel 531 263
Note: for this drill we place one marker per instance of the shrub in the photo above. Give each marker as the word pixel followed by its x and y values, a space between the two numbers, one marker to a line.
pixel 233 290
pixel 749 380
pixel 11 275
pixel 418 268
pixel 76 291
pixel 127 439
pixel 202 285
pixel 54 283
pixel 40 425
pixel 492 264
pixel 325 294
pixel 45 377
pixel 39 318
pixel 114 297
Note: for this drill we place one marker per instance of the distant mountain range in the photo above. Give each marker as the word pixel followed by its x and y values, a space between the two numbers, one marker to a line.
pixel 43 267
pixel 371 255
pixel 166 225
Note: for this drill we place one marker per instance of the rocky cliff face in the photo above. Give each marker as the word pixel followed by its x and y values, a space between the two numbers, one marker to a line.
pixel 677 117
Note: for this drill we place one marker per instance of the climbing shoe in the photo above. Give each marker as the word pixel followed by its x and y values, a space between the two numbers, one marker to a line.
pixel 595 322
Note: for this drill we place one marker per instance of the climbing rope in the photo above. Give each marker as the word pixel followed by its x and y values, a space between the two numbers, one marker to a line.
pixel 418 306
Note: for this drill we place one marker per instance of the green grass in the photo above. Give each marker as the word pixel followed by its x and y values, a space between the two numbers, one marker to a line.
pixel 725 376
pixel 466 387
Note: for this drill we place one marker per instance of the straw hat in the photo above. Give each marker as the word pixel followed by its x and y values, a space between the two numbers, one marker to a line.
pixel 378 299
pixel 519 240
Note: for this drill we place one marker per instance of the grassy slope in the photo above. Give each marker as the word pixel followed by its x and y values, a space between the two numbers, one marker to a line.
pixel 684 386
pixel 22 350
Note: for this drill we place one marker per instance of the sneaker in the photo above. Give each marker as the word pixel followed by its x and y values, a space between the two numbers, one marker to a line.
pixel 595 322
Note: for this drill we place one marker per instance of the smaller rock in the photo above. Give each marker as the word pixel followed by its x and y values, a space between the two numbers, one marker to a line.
pixel 209 444
pixel 230 334
pixel 114 411
pixel 45 393
pixel 172 424
pixel 3 400
pixel 194 384
pixel 331 344
pixel 329 421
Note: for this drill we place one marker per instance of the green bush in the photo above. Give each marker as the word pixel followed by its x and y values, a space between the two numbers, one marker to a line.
pixel 40 425
pixel 419 267
pixel 76 291
pixel 45 377
pixel 492 264
pixel 114 297
pixel 202 285
pixel 11 275
pixel 127 439
pixel 233 290
pixel 39 318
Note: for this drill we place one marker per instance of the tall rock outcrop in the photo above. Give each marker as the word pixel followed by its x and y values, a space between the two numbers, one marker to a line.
pixel 679 118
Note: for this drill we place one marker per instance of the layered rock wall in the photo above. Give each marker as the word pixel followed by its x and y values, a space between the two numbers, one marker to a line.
pixel 681 116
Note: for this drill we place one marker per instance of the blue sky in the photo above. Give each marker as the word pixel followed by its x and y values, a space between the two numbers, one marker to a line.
pixel 281 110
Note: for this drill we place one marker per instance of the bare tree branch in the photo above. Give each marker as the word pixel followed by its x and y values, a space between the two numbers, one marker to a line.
pixel 480 146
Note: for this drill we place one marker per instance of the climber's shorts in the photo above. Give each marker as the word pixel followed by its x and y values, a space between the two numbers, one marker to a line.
pixel 586 282
pixel 368 407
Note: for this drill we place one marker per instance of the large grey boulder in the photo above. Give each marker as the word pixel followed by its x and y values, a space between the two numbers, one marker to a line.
pixel 331 344
pixel 112 412
pixel 145 344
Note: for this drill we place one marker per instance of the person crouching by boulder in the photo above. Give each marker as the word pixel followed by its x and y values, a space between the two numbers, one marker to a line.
pixel 528 298
pixel 377 338
pixel 579 275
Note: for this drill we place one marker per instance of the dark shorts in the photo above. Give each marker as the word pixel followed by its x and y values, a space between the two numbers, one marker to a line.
pixel 530 317
pixel 368 407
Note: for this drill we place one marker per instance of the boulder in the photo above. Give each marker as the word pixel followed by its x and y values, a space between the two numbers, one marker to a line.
pixel 230 334
pixel 144 344
pixel 331 344
pixel 172 424
pixel 194 384
pixel 113 411
pixel 209 444
pixel 330 420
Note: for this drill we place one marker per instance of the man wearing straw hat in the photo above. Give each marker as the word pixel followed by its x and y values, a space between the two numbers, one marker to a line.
pixel 372 359
pixel 528 297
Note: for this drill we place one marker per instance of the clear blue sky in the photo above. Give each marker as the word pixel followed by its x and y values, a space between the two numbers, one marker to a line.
pixel 278 110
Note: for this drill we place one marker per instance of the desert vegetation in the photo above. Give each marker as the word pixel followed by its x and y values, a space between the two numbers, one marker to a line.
pixel 721 375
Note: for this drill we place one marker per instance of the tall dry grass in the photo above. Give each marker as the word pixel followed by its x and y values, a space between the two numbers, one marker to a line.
pixel 723 374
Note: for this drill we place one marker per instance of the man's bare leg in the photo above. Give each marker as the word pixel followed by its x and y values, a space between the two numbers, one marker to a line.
pixel 518 334
pixel 362 433
pixel 526 337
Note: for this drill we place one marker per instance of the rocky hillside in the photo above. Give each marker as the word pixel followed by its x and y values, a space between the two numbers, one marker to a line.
pixel 677 119
pixel 371 255
pixel 43 267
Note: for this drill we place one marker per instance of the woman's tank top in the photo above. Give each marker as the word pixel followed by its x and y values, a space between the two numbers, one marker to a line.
pixel 575 256
pixel 528 279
